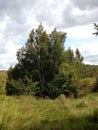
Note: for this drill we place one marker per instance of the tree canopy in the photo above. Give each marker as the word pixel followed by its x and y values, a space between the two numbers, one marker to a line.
pixel 45 68
pixel 39 61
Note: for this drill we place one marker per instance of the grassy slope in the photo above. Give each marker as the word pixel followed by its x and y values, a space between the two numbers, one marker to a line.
pixel 28 113
pixel 3 76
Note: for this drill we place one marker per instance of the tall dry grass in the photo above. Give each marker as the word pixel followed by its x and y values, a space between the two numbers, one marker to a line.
pixel 3 76
pixel 28 113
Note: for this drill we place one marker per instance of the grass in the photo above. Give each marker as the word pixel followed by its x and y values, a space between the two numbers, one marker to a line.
pixel 3 76
pixel 28 113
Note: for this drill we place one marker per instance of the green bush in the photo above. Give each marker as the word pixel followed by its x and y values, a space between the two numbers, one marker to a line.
pixel 22 87
pixel 66 81
pixel 96 85
pixel 86 86
pixel 94 117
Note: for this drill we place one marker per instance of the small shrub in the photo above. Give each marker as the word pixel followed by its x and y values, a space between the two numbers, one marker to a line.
pixel 21 87
pixel 94 116
pixel 86 86
pixel 96 85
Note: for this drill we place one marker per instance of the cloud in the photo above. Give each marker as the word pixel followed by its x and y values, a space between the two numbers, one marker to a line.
pixel 18 17
pixel 14 25
pixel 86 4
pixel 74 15
pixel 92 59
pixel 87 47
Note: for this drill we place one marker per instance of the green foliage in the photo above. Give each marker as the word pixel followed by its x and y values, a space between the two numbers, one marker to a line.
pixel 22 87
pixel 96 85
pixel 44 68
pixel 39 60
pixel 86 86
pixel 66 81
pixel 88 71
pixel 72 58
pixel 78 56
pixel 69 56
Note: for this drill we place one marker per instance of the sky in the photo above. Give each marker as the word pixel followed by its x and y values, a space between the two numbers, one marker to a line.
pixel 75 17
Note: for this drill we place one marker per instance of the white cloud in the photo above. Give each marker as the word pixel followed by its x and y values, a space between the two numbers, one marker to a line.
pixel 8 58
pixel 18 17
pixel 88 48
pixel 79 32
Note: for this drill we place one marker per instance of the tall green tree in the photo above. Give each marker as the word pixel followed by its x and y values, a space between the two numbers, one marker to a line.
pixel 78 56
pixel 69 56
pixel 78 62
pixel 39 60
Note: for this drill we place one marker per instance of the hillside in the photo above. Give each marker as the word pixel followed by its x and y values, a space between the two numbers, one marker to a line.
pixel 3 76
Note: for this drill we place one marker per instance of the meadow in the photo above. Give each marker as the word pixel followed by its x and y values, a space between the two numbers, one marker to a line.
pixel 29 113
pixel 3 76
